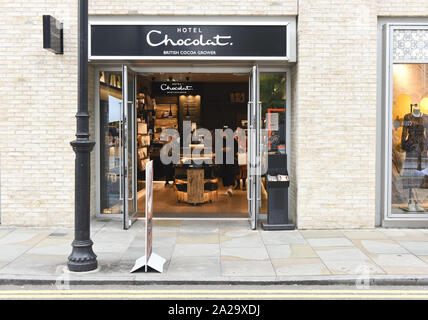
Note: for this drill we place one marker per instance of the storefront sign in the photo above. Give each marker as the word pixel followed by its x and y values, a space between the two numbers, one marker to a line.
pixel 189 41
pixel 150 259
pixel 179 88
pixel 53 35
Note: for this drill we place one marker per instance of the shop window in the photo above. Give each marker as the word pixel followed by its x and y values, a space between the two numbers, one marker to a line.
pixel 409 176
pixel 110 99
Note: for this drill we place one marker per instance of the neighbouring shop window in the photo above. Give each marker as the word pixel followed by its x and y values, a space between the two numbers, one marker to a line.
pixel 273 111
pixel 110 106
pixel 272 96
pixel 409 187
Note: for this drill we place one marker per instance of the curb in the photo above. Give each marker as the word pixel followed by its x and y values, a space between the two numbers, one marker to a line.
pixel 394 280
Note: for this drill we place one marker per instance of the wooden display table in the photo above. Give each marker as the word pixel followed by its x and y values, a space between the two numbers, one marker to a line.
pixel 191 188
pixel 195 185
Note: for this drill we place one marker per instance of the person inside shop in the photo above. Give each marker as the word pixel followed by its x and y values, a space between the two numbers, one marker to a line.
pixel 169 168
pixel 229 170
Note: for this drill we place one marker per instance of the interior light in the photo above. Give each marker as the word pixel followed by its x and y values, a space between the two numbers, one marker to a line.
pixel 187 112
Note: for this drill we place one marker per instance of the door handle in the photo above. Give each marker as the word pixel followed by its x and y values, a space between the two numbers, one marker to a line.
pixel 120 152
pixel 249 187
pixel 133 153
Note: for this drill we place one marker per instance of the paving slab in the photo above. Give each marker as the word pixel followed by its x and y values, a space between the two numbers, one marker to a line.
pixel 330 242
pixel 247 268
pixel 23 237
pixel 199 237
pixel 12 252
pixel 5 231
pixel 424 258
pixel 355 267
pixel 291 251
pixel 232 239
pixel 35 264
pixel 364 235
pixel 380 246
pixel 338 253
pixel 188 267
pixel 244 253
pixel 101 247
pixel 196 250
pixel 52 246
pixel 300 266
pixel 282 237
pixel 419 248
pixel 200 227
pixel 401 264
pixel 160 241
pixel 406 234
pixel 282 251
pixel 234 225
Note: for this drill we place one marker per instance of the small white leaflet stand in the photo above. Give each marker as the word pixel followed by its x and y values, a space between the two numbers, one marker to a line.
pixel 150 259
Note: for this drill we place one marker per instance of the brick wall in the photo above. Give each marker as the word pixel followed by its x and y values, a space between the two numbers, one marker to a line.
pixel 195 7
pixel 335 114
pixel 402 8
pixel 37 119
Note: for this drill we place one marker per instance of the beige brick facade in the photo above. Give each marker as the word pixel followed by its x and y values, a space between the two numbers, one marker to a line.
pixel 333 112
pixel 38 103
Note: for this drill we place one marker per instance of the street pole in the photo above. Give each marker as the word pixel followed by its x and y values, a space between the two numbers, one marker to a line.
pixel 82 257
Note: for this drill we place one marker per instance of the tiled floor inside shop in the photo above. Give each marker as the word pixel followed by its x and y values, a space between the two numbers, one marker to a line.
pixel 167 206
pixel 220 250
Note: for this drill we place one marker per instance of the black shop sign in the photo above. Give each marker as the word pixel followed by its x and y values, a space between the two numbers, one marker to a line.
pixel 176 88
pixel 152 41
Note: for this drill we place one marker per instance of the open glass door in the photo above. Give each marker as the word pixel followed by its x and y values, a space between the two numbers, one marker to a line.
pixel 128 151
pixel 253 189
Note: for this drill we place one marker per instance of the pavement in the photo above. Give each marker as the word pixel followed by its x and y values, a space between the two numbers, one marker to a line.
pixel 219 252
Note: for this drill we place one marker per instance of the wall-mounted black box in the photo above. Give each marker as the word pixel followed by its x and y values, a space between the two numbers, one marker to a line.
pixel 53 35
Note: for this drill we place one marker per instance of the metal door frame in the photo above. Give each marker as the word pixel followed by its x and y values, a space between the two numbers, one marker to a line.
pixel 128 218
pixel 209 68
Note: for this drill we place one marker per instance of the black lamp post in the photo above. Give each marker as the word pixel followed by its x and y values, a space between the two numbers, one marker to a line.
pixel 82 257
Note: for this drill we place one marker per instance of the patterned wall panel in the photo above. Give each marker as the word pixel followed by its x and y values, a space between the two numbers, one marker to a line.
pixel 410 45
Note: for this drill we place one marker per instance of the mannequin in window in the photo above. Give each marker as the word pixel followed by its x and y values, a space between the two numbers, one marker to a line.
pixel 414 142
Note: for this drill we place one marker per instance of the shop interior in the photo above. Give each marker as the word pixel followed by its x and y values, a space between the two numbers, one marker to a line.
pixel 165 101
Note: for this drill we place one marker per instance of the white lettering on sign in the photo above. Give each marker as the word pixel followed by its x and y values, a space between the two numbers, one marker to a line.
pixel 189 30
pixel 217 40
pixel 166 87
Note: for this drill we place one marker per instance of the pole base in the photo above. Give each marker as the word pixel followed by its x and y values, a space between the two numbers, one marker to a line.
pixel 82 257
pixel 271 227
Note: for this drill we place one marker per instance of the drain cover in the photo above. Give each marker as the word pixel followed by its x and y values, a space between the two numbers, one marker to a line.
pixel 57 234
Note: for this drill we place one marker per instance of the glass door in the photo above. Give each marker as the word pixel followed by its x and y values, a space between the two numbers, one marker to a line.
pixel 253 189
pixel 127 130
